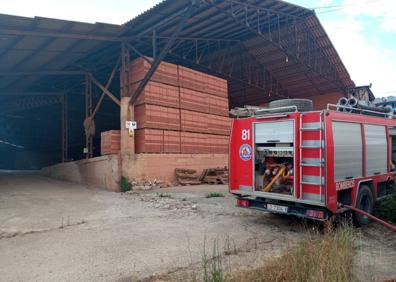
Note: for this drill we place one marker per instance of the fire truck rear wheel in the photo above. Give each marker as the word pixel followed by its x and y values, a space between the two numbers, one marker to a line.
pixel 365 202
pixel 303 105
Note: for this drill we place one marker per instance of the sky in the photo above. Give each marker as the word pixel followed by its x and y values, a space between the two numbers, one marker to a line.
pixel 363 31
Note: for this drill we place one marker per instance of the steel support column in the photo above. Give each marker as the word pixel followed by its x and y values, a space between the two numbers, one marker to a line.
pixel 65 129
pixel 88 114
pixel 164 51
pixel 124 74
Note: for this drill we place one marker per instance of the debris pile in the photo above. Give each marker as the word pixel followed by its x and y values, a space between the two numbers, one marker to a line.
pixel 149 184
pixel 166 202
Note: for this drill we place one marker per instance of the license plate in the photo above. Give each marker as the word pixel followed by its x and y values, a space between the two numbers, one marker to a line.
pixel 277 208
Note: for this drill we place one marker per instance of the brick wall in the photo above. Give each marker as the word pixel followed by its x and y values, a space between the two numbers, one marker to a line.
pixel 105 171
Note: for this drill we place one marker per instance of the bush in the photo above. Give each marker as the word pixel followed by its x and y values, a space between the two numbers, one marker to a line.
pixel 387 208
pixel 214 195
pixel 125 185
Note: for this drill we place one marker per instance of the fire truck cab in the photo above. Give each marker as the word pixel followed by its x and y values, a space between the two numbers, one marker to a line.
pixel 310 163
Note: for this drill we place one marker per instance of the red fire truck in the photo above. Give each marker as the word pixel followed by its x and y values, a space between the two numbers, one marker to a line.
pixel 311 163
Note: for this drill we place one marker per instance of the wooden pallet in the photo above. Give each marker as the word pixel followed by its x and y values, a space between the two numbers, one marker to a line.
pixel 187 176
pixel 217 175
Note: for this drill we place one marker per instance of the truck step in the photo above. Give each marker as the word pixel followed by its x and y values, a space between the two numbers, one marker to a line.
pixel 311 146
pixel 312 165
pixel 312 183
pixel 311 129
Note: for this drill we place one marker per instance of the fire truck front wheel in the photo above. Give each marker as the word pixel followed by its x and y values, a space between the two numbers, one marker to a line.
pixel 365 202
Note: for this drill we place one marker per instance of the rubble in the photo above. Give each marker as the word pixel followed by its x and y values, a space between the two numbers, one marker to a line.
pixel 167 202
pixel 149 184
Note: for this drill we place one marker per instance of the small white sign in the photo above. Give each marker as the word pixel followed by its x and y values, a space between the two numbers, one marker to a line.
pixel 131 124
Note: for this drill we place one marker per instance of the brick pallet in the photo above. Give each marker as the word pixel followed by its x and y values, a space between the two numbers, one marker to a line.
pixel 204 123
pixel 198 101
pixel 156 93
pixel 157 117
pixel 157 141
pixel 180 110
pixel 110 142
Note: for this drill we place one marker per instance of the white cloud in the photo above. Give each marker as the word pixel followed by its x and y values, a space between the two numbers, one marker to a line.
pixel 366 58
pixel 384 10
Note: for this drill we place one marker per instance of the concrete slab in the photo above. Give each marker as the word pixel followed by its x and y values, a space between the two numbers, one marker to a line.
pixel 58 231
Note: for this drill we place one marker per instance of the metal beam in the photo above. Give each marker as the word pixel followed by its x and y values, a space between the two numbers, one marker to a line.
pixel 272 34
pixel 40 48
pixel 56 62
pixel 104 89
pixel 109 81
pixel 140 54
pixel 28 93
pixel 234 64
pixel 6 31
pixel 17 39
pixel 29 103
pixel 164 51
pixel 69 35
pixel 49 72
pixel 165 21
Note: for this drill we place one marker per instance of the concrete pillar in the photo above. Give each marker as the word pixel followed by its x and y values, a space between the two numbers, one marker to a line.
pixel 127 139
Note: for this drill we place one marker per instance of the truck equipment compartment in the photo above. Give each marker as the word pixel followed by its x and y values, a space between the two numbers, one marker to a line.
pixel 274 157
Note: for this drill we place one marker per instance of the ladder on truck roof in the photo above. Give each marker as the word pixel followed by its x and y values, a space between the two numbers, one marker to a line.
pixel 312 157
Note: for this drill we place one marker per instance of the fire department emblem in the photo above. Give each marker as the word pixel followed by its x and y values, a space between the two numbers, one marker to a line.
pixel 245 152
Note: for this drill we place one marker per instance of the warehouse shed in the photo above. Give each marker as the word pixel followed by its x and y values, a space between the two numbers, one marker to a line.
pixel 68 89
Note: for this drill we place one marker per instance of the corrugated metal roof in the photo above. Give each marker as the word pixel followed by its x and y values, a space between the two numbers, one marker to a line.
pixel 297 76
pixel 24 52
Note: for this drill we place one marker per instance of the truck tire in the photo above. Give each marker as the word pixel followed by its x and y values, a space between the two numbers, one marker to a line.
pixel 364 202
pixel 303 105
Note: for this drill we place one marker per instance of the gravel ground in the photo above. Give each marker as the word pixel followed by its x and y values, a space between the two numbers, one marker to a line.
pixel 58 231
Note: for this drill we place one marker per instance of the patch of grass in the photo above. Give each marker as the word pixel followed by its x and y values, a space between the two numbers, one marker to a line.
pixel 125 185
pixel 329 258
pixel 387 208
pixel 164 195
pixel 214 195
pixel 212 265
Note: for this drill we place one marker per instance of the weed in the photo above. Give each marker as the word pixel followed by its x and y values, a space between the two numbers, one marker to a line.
pixel 229 246
pixel 212 266
pixel 328 258
pixel 125 185
pixel 214 195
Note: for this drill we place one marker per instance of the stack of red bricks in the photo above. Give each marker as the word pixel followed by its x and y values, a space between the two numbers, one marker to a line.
pixel 180 110
pixel 110 142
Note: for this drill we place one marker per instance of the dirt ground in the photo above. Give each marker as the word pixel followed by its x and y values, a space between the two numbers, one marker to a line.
pixel 58 231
